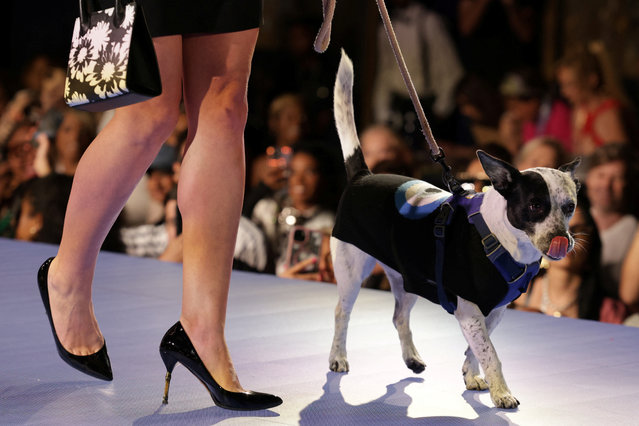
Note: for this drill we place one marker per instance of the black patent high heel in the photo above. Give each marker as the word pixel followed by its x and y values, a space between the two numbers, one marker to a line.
pixel 177 347
pixel 96 365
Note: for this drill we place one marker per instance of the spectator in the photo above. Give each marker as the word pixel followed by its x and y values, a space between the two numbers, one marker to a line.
pixel 141 208
pixel 18 155
pixel 474 178
pixel 158 240
pixel 380 143
pixel 480 107
pixel 152 238
pixel 541 152
pixel 531 112
pixel 431 58
pixel 597 115
pixel 24 104
pixel 571 287
pixel 15 113
pixel 268 171
pixel 163 238
pixel 72 138
pixel 52 106
pixel 309 200
pixel 43 203
pixel 52 91
pixel 609 191
pixel 35 72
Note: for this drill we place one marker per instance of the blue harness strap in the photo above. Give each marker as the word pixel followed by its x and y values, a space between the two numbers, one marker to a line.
pixel 516 275
pixel 441 222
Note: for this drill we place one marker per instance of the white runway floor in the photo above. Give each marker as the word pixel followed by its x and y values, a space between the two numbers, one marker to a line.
pixel 564 372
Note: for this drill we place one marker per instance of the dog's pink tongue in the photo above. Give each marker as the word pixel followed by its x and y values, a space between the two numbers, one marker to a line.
pixel 558 247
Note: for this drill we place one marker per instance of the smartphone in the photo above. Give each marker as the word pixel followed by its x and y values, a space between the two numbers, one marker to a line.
pixel 303 243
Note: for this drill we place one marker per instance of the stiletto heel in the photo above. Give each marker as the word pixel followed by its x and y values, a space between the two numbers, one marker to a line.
pixel 167 382
pixel 177 347
pixel 96 365
pixel 169 362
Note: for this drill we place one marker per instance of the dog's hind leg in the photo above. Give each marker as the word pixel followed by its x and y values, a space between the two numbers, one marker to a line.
pixel 474 328
pixel 351 265
pixel 404 303
pixel 470 369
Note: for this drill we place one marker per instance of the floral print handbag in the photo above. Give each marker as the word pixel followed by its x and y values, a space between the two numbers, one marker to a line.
pixel 112 61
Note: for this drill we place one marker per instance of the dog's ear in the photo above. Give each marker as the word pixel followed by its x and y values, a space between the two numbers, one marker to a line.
pixel 570 169
pixel 502 175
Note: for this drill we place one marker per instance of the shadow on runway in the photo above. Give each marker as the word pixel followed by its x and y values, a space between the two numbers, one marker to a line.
pixel 21 404
pixel 389 409
pixel 205 416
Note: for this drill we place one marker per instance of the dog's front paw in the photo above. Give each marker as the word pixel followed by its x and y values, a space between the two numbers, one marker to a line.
pixel 338 365
pixel 475 383
pixel 504 400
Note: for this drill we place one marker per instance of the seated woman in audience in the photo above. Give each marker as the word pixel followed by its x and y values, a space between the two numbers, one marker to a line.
pixel 597 113
pixel 309 200
pixel 570 287
pixel 72 138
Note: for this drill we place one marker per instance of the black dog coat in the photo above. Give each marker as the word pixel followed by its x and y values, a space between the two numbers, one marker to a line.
pixel 392 218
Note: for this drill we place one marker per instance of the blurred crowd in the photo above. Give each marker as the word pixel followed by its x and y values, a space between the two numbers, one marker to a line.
pixel 477 67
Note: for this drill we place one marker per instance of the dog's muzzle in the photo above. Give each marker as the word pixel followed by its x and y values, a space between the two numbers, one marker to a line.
pixel 558 248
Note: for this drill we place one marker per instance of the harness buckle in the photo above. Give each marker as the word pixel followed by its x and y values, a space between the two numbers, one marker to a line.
pixel 441 220
pixel 490 244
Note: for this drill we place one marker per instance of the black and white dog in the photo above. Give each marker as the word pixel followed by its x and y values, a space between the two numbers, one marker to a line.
pixel 472 254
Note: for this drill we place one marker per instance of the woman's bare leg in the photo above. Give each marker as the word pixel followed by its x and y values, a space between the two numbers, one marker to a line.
pixel 210 192
pixel 104 179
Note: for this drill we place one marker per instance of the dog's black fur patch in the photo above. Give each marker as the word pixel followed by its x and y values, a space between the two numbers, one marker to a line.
pixel 528 201
pixel 355 164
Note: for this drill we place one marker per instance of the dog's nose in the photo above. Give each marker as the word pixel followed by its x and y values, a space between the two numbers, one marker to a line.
pixel 558 247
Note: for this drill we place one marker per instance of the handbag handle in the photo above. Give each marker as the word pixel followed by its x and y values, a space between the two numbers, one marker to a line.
pixel 85 14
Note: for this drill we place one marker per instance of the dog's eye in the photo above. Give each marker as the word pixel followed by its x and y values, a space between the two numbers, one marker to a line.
pixel 534 207
pixel 568 208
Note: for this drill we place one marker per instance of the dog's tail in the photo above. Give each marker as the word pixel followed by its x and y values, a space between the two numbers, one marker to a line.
pixel 345 119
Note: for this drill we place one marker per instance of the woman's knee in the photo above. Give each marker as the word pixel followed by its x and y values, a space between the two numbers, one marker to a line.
pixel 152 121
pixel 226 97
